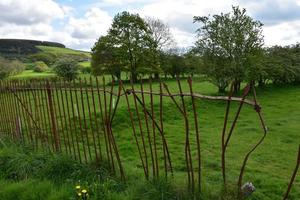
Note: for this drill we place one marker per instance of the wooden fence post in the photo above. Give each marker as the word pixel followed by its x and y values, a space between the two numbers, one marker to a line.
pixel 52 115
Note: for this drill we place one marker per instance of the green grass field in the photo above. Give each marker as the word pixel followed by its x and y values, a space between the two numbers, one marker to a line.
pixel 269 168
pixel 28 74
pixel 62 51
pixel 85 64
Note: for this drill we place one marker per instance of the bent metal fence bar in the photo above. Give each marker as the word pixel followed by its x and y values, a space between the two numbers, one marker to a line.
pixel 77 118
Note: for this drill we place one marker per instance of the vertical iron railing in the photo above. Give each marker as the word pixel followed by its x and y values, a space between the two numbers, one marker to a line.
pixel 77 118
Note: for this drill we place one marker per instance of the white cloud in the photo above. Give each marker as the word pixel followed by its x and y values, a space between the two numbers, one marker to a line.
pixel 124 2
pixel 179 15
pixel 34 20
pixel 183 38
pixel 24 12
pixel 84 31
pixel 94 23
pixel 49 20
pixel 285 33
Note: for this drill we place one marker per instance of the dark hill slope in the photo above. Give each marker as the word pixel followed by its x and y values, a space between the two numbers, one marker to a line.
pixel 18 47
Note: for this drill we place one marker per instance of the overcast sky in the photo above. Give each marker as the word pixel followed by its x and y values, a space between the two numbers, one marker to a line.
pixel 78 23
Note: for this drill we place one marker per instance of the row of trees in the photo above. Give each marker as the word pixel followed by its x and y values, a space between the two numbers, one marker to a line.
pixel 229 49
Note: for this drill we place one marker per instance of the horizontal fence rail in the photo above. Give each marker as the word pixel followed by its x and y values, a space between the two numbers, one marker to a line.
pixel 78 119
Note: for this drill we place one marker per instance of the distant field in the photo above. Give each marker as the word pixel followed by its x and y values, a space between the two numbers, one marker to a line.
pixel 58 50
pixel 27 74
pixel 85 64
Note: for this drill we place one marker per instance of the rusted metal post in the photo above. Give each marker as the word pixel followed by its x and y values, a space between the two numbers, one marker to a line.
pixel 224 136
pixel 197 133
pixel 96 123
pixel 141 132
pixel 257 109
pixel 148 129
pixel 293 176
pixel 103 118
pixel 52 117
pixel 153 129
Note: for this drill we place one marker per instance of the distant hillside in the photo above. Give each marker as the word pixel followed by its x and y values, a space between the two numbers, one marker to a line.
pixel 62 51
pixel 19 47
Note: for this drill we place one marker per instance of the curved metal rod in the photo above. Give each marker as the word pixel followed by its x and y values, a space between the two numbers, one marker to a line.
pixel 258 109
pixel 129 91
pixel 224 135
pixel 27 111
pixel 293 176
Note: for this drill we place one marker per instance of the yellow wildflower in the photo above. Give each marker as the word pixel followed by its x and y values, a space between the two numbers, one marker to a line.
pixel 84 191
pixel 77 187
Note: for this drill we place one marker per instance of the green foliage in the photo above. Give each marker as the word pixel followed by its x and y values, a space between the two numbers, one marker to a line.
pixel 174 65
pixel 106 58
pixel 29 66
pixel 128 46
pixel 33 190
pixel 47 58
pixel 85 70
pixel 227 42
pixel 8 67
pixel 40 66
pixel 67 69
pixel 283 64
pixel 193 63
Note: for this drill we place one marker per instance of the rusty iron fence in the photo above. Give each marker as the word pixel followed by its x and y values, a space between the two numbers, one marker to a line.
pixel 77 118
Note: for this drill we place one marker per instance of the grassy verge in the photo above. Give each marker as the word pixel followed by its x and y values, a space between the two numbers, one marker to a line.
pixel 27 174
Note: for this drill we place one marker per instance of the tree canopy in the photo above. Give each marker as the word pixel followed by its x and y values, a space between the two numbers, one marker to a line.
pixel 227 42
pixel 128 46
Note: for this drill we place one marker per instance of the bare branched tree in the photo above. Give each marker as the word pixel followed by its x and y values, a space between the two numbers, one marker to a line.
pixel 161 33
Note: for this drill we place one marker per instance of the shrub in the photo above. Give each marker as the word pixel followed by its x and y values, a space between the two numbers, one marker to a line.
pixel 4 69
pixel 48 58
pixel 85 70
pixel 40 66
pixel 67 69
pixel 29 66
pixel 8 67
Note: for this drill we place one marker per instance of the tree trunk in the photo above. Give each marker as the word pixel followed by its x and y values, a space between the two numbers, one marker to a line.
pixel 221 89
pixel 117 76
pixel 134 77
pixel 236 86
pixel 261 83
pixel 156 76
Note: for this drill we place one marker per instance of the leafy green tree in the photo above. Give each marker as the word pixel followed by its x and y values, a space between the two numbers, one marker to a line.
pixel 131 35
pixel 283 64
pixel 106 58
pixel 193 62
pixel 8 67
pixel 258 70
pixel 173 63
pixel 4 69
pixel 67 69
pixel 227 42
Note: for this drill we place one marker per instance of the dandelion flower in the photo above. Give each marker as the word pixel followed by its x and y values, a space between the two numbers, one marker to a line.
pixel 77 187
pixel 84 191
